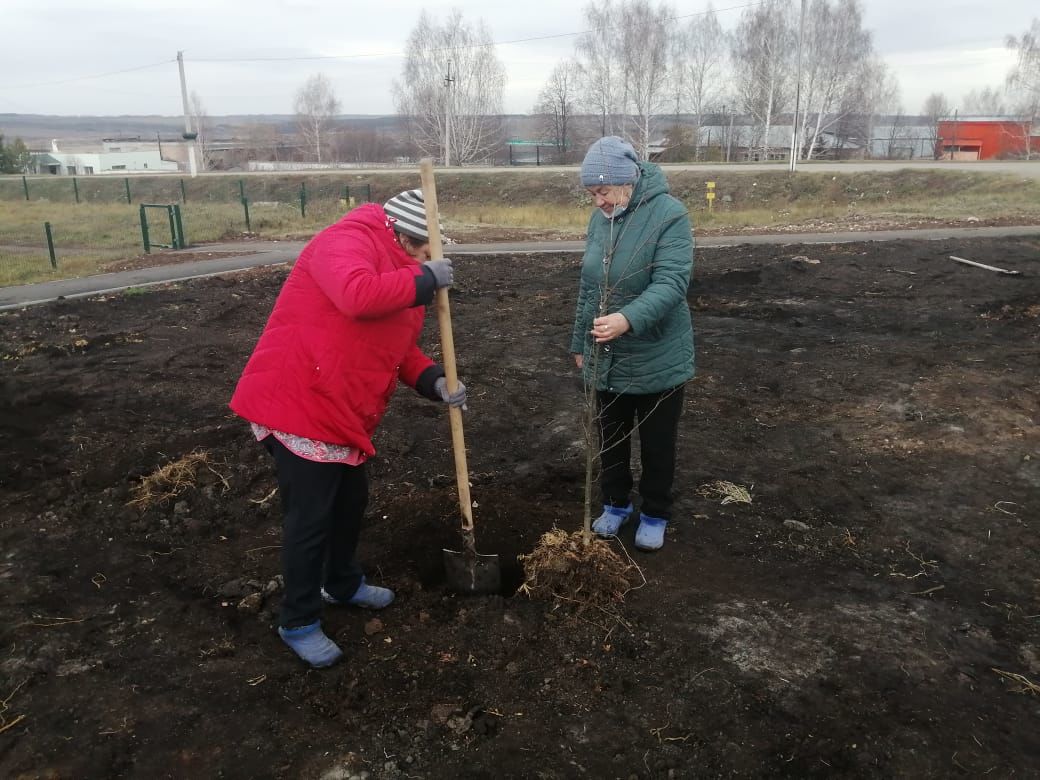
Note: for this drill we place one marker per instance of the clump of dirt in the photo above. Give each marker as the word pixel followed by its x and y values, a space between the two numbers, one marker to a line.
pixel 578 569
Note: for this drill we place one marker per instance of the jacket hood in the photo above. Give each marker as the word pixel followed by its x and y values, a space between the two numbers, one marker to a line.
pixel 651 184
pixel 369 215
pixel 371 219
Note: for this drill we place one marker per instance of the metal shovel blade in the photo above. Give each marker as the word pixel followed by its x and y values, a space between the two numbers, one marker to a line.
pixel 473 573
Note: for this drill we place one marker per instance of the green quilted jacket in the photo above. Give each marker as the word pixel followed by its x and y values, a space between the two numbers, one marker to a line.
pixel 639 264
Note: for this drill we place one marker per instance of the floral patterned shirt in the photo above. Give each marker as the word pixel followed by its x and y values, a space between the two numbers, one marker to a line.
pixel 310 449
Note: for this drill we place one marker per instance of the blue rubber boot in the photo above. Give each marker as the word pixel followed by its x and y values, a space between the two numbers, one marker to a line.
pixel 650 533
pixel 610 522
pixel 367 596
pixel 310 643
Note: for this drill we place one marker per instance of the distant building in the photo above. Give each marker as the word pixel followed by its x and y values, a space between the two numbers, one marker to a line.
pixel 111 160
pixel 983 138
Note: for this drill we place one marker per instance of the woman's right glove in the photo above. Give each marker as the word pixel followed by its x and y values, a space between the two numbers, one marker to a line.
pixel 442 270
pixel 435 274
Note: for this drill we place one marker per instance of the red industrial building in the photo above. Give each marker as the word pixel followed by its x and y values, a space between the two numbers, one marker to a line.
pixel 983 138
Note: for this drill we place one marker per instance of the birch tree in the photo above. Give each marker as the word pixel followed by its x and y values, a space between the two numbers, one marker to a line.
pixel 200 121
pixel 761 48
pixel 699 72
pixel 645 45
pixel 451 88
pixel 557 106
pixel 316 107
pixel 1024 77
pixel 602 70
pixel 837 69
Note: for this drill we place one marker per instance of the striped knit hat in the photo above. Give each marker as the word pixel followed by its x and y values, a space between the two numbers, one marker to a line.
pixel 407 212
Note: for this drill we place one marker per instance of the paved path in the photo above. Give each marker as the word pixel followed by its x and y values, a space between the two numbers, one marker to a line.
pixel 273 253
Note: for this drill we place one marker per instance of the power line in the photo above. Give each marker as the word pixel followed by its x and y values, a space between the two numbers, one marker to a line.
pixel 472 46
pixel 344 56
pixel 87 78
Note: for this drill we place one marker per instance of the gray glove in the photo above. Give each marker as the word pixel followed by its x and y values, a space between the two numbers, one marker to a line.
pixel 456 399
pixel 443 273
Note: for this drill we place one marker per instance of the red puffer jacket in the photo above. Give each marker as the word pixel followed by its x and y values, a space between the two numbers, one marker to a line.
pixel 343 330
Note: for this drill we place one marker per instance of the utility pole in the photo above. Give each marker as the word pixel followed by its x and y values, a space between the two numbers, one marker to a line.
pixel 729 136
pixel 189 134
pixel 797 95
pixel 449 80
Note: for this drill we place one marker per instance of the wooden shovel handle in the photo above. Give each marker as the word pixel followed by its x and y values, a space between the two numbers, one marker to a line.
pixel 458 442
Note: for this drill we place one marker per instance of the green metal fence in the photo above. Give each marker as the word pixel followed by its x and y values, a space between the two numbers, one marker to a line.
pixel 59 226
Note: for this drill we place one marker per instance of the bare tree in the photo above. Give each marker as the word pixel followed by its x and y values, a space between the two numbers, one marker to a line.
pixel 897 135
pixel 557 106
pixel 603 73
pixel 699 71
pixel 1026 73
pixel 316 106
pixel 451 88
pixel 200 121
pixel 1024 78
pixel 876 91
pixel 645 44
pixel 876 95
pixel 761 48
pixel 837 69
pixel 935 108
pixel 986 101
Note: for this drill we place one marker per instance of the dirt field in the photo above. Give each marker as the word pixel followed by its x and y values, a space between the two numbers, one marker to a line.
pixel 874 612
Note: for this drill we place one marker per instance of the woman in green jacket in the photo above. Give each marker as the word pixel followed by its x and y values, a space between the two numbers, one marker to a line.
pixel 632 336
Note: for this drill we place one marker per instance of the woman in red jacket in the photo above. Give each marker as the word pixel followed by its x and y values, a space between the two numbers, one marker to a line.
pixel 343 331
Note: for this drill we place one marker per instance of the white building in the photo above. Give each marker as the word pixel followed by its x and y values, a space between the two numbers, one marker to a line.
pixel 111 160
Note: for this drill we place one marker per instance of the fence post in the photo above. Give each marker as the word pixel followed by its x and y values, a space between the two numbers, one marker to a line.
pixel 25 186
pixel 303 199
pixel 241 190
pixel 144 230
pixel 50 244
pixel 75 188
pixel 184 195
pixel 126 181
pixel 180 227
pixel 173 228
pixel 245 206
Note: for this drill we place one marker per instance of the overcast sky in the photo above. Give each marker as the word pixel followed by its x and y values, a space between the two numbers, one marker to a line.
pixel 111 57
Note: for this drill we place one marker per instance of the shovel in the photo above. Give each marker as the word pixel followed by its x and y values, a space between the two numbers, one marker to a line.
pixel 467 571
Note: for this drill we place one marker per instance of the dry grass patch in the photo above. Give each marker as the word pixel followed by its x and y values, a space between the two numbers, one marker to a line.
pixel 172 479
pixel 729 492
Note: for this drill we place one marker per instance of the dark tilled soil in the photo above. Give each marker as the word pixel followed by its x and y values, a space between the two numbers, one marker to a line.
pixel 874 612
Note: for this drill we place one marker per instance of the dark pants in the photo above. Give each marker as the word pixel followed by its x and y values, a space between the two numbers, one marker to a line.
pixel 323 505
pixel 657 417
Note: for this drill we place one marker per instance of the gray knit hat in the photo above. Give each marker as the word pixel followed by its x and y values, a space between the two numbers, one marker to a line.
pixel 609 160
pixel 407 210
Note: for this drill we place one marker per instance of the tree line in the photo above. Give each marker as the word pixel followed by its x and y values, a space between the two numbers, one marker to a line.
pixel 649 75
pixel 656 78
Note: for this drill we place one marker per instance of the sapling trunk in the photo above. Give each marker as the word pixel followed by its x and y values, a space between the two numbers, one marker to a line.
pixel 591 439
pixel 593 445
